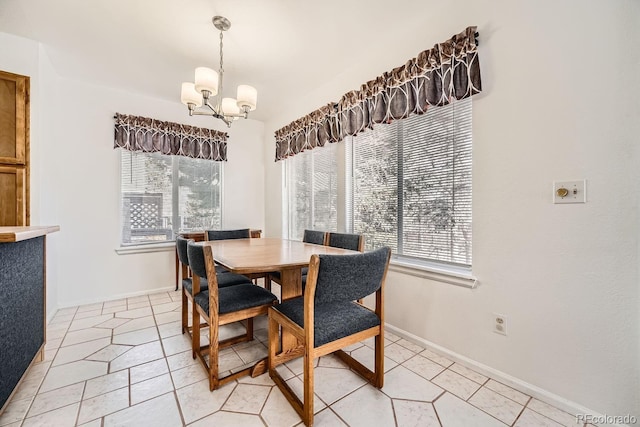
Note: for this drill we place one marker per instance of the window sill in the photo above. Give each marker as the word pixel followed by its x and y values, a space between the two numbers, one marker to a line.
pixel 457 277
pixel 148 248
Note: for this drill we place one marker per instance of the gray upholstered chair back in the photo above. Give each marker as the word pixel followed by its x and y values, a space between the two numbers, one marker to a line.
pixel 350 277
pixel 345 241
pixel 196 259
pixel 243 233
pixel 312 236
pixel 181 245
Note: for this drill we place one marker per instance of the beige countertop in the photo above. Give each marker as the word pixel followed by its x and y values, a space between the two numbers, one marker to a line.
pixel 17 234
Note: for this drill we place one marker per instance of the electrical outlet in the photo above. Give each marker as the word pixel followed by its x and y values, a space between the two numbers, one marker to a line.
pixel 499 324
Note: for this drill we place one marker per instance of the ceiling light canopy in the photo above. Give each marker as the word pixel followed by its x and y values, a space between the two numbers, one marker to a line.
pixel 207 90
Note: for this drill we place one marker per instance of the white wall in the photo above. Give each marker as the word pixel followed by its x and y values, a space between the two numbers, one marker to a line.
pixel 559 103
pixel 76 180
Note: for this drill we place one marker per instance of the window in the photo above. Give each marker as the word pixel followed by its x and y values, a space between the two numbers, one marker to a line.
pixel 312 190
pixel 163 195
pixel 407 185
pixel 411 185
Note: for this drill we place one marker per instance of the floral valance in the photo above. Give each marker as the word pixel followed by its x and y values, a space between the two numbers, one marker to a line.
pixel 135 133
pixel 436 77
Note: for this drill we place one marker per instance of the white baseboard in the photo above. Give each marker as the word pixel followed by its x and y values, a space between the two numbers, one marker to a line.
pixel 513 382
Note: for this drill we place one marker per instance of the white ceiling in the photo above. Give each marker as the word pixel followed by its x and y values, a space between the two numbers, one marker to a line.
pixel 285 48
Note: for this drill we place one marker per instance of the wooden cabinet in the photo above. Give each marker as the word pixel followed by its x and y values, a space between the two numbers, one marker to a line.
pixel 14 149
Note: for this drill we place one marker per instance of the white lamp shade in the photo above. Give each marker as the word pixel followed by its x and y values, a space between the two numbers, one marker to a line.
pixel 207 79
pixel 189 95
pixel 247 97
pixel 229 106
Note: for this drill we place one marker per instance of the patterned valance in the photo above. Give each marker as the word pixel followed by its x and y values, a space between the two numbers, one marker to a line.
pixel 448 71
pixel 310 131
pixel 135 133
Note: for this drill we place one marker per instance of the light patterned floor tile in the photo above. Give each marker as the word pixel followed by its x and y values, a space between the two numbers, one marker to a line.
pixel 135 305
pixel 454 412
pixel 164 308
pixel 89 322
pixel 374 408
pixel 247 399
pixel 188 375
pixel 366 356
pixel 109 353
pixel 466 372
pixel 440 360
pixel 114 309
pixel 150 388
pixel 424 367
pixel 530 418
pixel 103 404
pixel 65 416
pixel 251 352
pixel 196 401
pixel 148 370
pixel 84 335
pixel 28 388
pixel 75 352
pixel 506 391
pixel 327 418
pixel 401 383
pixel 135 313
pixel 160 411
pixel 171 316
pixel 134 325
pixel 223 418
pixel 176 344
pixel 415 414
pixel 137 356
pixel 456 384
pixel 295 383
pixel 115 303
pixel 85 314
pixel 182 360
pixel 112 323
pixel 409 345
pixel 277 410
pixel 398 353
pixel 332 384
pixel 170 329
pixel 89 307
pixel 495 404
pixel 141 336
pixel 55 399
pixel 106 383
pixel 552 412
pixel 71 373
pixel 15 411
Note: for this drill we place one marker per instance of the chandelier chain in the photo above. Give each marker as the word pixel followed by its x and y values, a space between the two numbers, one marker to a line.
pixel 221 61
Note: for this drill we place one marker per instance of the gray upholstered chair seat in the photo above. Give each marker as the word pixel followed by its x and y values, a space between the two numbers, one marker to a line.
pixel 235 298
pixel 187 285
pixel 333 320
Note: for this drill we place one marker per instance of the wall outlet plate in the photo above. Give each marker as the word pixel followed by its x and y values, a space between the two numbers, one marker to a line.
pixel 500 324
pixel 570 191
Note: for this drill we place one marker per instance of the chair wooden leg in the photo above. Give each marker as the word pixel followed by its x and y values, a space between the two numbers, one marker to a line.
pixel 308 387
pixel 213 356
pixel 195 332
pixel 185 314
pixel 379 361
pixel 274 342
pixel 267 282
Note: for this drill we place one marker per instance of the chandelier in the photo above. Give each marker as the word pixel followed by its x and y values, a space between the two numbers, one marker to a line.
pixel 207 90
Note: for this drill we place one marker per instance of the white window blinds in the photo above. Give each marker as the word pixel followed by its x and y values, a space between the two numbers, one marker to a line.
pixel 411 184
pixel 163 195
pixel 312 191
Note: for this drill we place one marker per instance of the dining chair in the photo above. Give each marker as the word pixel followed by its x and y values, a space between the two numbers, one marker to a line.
pixel 355 242
pixel 327 318
pixel 309 236
pixel 224 279
pixel 219 306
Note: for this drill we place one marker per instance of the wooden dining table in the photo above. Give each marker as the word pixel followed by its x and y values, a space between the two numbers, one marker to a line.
pixel 268 254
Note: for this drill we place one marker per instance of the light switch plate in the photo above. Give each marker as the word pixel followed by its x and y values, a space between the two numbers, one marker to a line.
pixel 576 191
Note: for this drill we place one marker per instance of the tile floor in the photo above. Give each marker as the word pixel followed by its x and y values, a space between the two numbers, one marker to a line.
pixel 126 363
